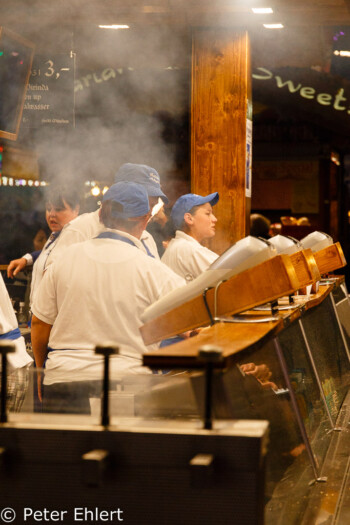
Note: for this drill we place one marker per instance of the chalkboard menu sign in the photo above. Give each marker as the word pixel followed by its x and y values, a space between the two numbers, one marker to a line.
pixel 49 100
pixel 16 56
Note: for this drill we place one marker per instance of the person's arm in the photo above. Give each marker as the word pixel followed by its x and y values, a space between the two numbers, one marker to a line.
pixel 17 265
pixel 40 333
pixel 34 255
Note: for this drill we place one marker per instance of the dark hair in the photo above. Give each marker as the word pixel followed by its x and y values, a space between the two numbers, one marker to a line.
pixel 58 194
pixel 106 216
pixel 109 221
pixel 259 226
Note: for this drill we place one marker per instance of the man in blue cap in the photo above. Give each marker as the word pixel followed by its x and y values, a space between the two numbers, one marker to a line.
pixel 88 225
pixel 194 221
pixel 98 295
pixel 144 175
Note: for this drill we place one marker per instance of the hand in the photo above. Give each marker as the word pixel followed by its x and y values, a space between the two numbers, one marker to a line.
pixel 189 333
pixel 16 266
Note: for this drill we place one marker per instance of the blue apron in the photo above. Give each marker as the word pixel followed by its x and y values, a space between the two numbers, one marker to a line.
pixel 12 334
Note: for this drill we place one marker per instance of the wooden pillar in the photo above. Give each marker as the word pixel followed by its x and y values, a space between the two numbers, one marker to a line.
pixel 221 114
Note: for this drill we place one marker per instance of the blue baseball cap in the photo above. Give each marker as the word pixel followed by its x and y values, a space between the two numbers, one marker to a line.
pixel 142 174
pixel 130 200
pixel 186 202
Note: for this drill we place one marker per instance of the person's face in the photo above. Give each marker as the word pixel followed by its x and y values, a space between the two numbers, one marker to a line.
pixel 57 217
pixel 201 223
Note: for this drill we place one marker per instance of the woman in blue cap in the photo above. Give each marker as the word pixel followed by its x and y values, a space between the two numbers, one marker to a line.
pixel 194 221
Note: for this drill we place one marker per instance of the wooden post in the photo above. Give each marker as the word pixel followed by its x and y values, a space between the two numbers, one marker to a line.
pixel 221 114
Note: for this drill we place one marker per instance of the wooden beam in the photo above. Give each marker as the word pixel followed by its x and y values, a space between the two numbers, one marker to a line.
pixel 221 120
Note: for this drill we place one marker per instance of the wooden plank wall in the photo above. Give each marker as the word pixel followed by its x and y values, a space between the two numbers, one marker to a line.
pixel 221 102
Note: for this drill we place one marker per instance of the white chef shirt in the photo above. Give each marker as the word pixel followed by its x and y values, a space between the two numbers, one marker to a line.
pixel 85 227
pixel 187 257
pixel 98 294
pixel 8 322
pixel 41 263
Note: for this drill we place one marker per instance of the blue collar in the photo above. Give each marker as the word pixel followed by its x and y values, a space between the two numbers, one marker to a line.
pixel 117 237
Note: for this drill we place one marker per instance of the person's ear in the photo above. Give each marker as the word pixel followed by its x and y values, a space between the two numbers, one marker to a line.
pixel 188 218
pixel 144 220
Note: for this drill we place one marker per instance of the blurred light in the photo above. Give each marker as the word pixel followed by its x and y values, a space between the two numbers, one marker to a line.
pixel 30 183
pixel 4 181
pixel 273 26
pixel 95 191
pixel 104 190
pixel 262 10
pixel 36 183
pixel 342 53
pixel 335 158
pixel 337 35
pixel 43 183
pixel 10 181
pixel 1 53
pixel 114 26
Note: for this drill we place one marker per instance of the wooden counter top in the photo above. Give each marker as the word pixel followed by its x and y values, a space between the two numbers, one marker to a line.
pixel 233 337
pixel 230 337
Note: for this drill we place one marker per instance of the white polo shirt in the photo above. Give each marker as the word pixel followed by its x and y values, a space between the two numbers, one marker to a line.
pixel 40 265
pixel 85 227
pixel 98 294
pixel 187 257
pixel 8 322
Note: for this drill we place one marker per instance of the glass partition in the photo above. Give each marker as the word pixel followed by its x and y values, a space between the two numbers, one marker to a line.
pixel 297 382
pixel 341 299
pixel 140 395
pixel 326 343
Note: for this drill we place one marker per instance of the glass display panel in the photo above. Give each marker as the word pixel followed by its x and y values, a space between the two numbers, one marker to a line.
pixel 342 302
pixel 256 388
pixel 16 56
pixel 317 421
pixel 144 395
pixel 326 343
